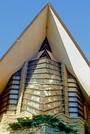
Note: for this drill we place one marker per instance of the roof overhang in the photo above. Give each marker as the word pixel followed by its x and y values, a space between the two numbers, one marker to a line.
pixel 63 46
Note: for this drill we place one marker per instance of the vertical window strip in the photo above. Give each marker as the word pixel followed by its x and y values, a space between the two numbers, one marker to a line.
pixel 14 91
pixel 75 98
pixel 9 96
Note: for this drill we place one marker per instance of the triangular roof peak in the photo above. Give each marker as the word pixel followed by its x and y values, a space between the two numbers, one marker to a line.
pixel 63 46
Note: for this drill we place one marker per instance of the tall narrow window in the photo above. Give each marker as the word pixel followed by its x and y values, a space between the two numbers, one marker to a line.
pixel 76 99
pixel 9 96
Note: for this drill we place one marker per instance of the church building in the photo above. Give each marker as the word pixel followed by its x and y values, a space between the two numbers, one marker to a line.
pixel 45 73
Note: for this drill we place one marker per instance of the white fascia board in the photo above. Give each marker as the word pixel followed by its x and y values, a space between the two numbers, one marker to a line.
pixel 78 64
pixel 56 44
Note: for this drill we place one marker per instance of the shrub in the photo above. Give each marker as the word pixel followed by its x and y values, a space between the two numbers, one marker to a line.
pixel 42 119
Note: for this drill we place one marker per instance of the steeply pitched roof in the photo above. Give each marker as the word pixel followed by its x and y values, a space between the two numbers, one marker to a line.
pixel 62 44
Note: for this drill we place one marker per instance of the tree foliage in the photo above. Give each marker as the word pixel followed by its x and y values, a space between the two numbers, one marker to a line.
pixel 42 119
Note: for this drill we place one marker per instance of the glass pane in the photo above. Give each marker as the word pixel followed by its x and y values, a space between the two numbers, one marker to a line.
pixel 12 101
pixel 72 89
pixel 15 82
pixel 14 91
pixel 73 115
pixel 73 109
pixel 13 96
pixel 15 86
pixel 72 94
pixel 73 104
pixel 16 77
pixel 73 99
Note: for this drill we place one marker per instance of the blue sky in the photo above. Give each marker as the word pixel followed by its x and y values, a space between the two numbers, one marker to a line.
pixel 15 15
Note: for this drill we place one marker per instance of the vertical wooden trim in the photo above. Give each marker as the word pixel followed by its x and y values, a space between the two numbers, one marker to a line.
pixel 65 84
pixel 85 111
pixel 88 111
pixel 22 87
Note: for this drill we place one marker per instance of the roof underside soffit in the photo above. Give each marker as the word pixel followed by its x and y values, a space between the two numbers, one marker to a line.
pixel 64 49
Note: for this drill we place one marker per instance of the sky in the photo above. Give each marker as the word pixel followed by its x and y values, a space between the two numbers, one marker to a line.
pixel 15 15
